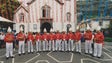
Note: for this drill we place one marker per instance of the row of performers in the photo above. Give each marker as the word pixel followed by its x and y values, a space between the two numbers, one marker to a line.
pixel 56 42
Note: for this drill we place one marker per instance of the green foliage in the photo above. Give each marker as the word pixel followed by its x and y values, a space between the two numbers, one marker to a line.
pixel 15 0
pixel 110 28
pixel 108 39
pixel 8 7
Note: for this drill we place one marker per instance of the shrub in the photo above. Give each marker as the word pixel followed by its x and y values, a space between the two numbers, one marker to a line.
pixel 108 39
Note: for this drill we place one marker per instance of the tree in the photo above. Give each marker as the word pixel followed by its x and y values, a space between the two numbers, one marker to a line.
pixel 7 8
pixel 110 28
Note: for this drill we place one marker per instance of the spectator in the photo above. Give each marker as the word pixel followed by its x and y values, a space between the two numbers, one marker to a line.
pixel 2 40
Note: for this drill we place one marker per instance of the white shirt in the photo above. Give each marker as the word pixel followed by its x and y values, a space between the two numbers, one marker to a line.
pixel 2 37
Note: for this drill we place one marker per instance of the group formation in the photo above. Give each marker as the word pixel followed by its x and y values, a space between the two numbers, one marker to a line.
pixel 55 41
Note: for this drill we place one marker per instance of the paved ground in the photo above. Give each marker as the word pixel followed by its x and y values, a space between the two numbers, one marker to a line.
pixel 59 57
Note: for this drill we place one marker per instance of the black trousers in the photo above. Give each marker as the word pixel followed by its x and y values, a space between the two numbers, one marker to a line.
pixel 0 44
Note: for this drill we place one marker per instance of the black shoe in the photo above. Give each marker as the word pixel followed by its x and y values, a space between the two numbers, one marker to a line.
pixel 92 55
pixel 86 53
pixel 23 53
pixel 76 52
pixel 19 54
pixel 28 52
pixel 12 56
pixel 32 52
pixel 99 57
pixel 79 52
pixel 7 58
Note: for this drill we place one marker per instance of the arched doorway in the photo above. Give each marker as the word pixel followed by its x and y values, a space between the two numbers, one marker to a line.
pixel 46 26
pixel 22 27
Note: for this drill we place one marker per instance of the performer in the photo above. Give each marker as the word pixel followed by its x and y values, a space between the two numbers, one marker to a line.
pixel 58 40
pixel 88 41
pixel 98 38
pixel 71 40
pixel 64 41
pixel 77 38
pixel 9 38
pixel 30 40
pixel 38 41
pixel 51 41
pixel 45 40
pixel 21 38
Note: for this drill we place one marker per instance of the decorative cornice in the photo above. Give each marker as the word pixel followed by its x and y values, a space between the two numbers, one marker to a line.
pixel 44 18
pixel 60 2
pixel 31 2
pixel 21 6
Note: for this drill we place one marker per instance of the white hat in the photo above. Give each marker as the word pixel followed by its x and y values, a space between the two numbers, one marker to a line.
pixel 82 21
pixel 64 30
pixel 98 28
pixel 51 30
pixel 70 29
pixel 57 30
pixel 45 30
pixel 9 29
pixel 29 30
pixel 77 27
pixel 88 27
pixel 21 28
pixel 38 30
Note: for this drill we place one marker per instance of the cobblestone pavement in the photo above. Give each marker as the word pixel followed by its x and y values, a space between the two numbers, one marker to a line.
pixel 59 57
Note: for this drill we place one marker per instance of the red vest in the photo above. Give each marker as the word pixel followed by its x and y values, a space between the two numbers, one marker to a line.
pixel 70 36
pixel 64 36
pixel 9 38
pixel 30 37
pixel 45 36
pixel 58 36
pixel 88 35
pixel 38 37
pixel 99 37
pixel 77 36
pixel 51 36
pixel 20 37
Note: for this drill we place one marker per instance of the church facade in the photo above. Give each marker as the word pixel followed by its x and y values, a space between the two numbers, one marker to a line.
pixel 38 15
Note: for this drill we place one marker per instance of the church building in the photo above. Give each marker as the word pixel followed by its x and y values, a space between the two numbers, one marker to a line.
pixel 37 15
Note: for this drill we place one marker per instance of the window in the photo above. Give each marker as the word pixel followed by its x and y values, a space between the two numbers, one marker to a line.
pixel 45 11
pixel 35 26
pixel 68 16
pixel 21 17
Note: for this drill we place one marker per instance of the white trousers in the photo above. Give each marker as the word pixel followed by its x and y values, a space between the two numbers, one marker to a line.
pixel 9 49
pixel 64 45
pixel 21 47
pixel 38 45
pixel 53 45
pixel 70 45
pixel 50 44
pixel 78 46
pixel 45 45
pixel 58 45
pixel 97 49
pixel 30 46
pixel 88 46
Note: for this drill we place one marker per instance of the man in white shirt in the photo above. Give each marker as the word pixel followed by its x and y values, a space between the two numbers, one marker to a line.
pixel 2 40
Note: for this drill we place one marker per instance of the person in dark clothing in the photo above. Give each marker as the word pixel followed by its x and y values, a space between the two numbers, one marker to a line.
pixel 0 40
